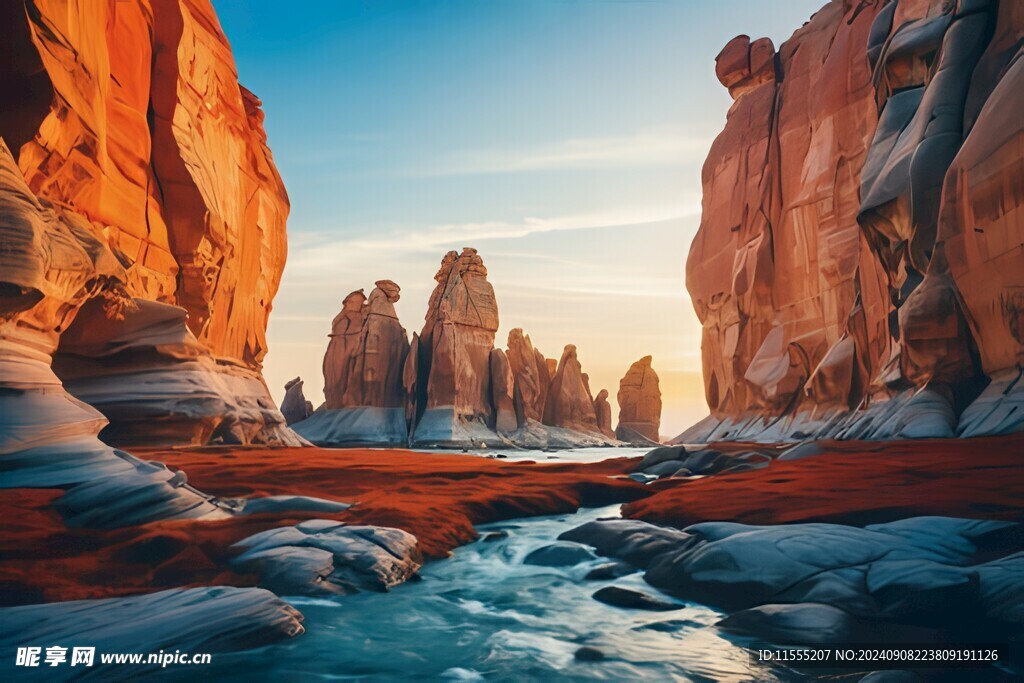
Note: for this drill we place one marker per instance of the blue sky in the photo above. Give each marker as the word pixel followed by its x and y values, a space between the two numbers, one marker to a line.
pixel 561 138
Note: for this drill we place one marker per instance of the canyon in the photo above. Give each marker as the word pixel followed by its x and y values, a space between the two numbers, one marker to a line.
pixel 857 275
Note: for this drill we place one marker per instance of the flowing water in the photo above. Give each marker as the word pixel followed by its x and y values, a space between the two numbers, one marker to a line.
pixel 483 614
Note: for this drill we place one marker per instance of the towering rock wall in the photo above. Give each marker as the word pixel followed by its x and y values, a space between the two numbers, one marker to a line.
pixel 858 259
pixel 129 117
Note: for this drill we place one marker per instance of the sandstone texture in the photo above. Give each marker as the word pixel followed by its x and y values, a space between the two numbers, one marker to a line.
pixel 639 401
pixel 462 391
pixel 603 413
pixel 367 351
pixel 364 390
pixel 128 127
pixel 570 404
pixel 857 268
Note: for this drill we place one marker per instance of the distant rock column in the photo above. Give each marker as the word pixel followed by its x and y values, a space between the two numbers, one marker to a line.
pixel 569 403
pixel 502 384
pixel 639 403
pixel 366 356
pixel 530 373
pixel 603 411
pixel 457 338
pixel 295 407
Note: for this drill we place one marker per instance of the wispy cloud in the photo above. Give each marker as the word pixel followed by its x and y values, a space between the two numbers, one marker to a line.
pixel 657 146
pixel 320 251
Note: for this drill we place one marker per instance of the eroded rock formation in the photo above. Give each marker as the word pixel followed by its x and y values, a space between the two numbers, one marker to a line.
pixel 453 366
pixel 603 413
pixel 131 119
pixel 530 372
pixel 502 391
pixel 364 375
pixel 295 407
pixel 639 401
pixel 367 351
pixel 570 404
pixel 860 239
pixel 52 263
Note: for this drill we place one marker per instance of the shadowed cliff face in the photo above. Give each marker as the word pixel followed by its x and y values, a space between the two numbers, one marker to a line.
pixel 861 234
pixel 130 122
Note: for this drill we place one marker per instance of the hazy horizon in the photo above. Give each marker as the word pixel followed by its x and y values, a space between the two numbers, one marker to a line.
pixel 562 139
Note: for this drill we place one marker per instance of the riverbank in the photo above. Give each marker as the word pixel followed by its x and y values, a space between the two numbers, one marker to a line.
pixel 437 497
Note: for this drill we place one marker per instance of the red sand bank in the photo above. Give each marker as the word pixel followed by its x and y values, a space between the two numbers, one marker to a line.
pixel 437 497
pixel 858 483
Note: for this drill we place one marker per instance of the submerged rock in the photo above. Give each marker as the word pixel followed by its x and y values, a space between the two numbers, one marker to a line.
pixel 631 599
pixel 560 555
pixel 588 654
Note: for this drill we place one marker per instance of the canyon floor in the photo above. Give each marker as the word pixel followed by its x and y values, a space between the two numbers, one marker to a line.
pixel 442 498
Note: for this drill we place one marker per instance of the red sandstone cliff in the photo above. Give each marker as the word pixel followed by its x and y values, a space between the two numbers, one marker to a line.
pixel 857 271
pixel 128 119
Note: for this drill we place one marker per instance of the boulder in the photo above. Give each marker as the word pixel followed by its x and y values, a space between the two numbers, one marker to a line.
pixel 324 557
pixel 559 555
pixel 214 619
pixel 631 599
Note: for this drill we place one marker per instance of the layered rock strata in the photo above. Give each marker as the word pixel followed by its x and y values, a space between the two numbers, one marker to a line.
pixel 857 265
pixel 131 119
pixel 639 401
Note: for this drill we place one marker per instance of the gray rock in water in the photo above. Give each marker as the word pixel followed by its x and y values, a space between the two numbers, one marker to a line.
pixel 665 468
pixel 609 570
pixel 907 581
pixel 560 555
pixel 803 624
pixel 737 566
pixel 588 654
pixel 631 599
pixel 208 620
pixel 633 541
pixel 321 556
